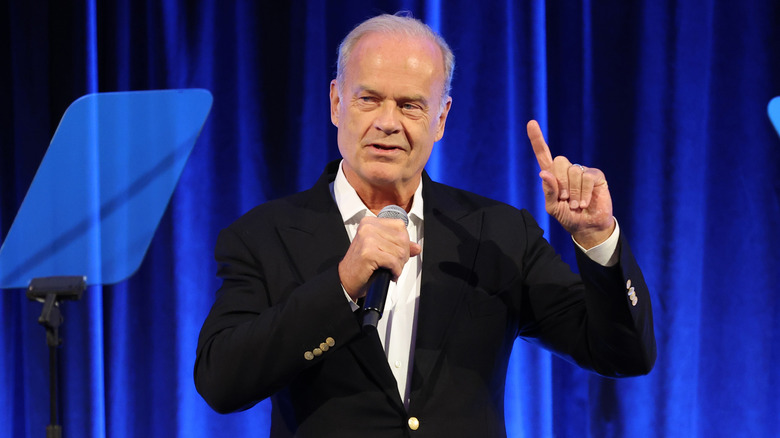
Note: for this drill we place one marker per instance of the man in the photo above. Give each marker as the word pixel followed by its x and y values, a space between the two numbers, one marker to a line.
pixel 471 274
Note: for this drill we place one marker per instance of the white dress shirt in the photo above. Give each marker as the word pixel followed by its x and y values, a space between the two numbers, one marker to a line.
pixel 397 328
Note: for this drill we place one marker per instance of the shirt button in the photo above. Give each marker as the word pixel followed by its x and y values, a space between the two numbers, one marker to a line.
pixel 414 423
pixel 398 364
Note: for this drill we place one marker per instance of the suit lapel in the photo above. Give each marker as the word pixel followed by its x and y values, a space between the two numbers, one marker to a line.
pixel 452 234
pixel 315 237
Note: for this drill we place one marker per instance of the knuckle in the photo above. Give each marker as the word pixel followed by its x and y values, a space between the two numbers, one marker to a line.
pixel 590 174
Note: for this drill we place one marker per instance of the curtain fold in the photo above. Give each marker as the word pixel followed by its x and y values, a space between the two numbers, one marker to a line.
pixel 667 97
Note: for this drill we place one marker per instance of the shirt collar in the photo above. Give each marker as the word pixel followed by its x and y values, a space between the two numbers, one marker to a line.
pixel 351 206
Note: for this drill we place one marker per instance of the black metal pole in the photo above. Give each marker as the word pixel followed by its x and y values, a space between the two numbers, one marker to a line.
pixel 53 430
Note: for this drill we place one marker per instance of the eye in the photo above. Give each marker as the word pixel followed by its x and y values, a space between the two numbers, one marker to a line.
pixel 367 102
pixel 413 109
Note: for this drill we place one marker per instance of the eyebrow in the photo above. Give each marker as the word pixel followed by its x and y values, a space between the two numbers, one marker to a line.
pixel 413 98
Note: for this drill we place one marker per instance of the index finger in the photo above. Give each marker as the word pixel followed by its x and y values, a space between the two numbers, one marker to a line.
pixel 541 150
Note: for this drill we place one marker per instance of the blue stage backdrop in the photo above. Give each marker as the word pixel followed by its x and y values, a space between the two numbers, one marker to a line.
pixel 667 97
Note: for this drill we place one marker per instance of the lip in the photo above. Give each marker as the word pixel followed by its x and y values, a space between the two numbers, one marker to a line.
pixel 383 148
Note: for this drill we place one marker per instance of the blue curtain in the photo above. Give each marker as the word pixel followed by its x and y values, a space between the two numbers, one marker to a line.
pixel 667 97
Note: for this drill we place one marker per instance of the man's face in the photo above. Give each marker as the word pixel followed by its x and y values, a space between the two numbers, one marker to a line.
pixel 389 112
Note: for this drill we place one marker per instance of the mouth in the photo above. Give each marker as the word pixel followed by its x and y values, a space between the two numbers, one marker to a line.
pixel 384 147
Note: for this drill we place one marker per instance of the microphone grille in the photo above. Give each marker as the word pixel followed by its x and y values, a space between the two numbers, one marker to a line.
pixel 394 212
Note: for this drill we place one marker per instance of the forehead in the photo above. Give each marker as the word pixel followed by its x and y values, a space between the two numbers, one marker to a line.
pixel 402 57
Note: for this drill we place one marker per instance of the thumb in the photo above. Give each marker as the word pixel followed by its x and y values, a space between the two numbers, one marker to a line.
pixel 414 249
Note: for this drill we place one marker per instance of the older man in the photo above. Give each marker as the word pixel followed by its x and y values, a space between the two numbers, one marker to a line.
pixel 470 274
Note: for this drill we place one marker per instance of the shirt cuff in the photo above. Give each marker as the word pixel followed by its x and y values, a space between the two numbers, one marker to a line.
pixel 353 305
pixel 605 253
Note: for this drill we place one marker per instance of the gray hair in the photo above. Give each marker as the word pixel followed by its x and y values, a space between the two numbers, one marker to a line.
pixel 402 23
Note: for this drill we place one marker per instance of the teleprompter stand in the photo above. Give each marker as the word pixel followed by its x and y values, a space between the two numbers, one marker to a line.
pixel 96 200
pixel 51 291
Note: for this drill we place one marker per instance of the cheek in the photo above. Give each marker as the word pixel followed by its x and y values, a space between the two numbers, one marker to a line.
pixel 346 128
pixel 423 134
pixel 356 123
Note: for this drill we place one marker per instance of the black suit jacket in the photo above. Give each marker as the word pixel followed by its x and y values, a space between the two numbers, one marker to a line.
pixel 488 276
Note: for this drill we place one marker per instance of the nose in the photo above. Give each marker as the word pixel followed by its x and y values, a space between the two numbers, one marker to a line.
pixel 388 119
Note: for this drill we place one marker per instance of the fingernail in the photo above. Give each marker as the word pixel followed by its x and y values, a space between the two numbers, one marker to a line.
pixel 574 205
pixel 564 194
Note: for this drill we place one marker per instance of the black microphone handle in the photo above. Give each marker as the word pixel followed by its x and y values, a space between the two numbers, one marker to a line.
pixel 380 279
pixel 376 297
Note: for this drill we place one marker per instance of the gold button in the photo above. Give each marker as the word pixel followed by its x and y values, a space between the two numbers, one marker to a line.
pixel 330 341
pixel 634 300
pixel 628 284
pixel 324 347
pixel 308 355
pixel 317 352
pixel 414 423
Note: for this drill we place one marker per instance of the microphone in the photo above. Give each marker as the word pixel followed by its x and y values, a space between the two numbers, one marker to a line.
pixel 380 279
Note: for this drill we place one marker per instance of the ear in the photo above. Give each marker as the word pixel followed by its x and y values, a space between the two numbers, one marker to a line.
pixel 443 119
pixel 334 102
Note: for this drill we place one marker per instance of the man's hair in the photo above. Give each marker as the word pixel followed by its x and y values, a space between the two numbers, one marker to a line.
pixel 401 23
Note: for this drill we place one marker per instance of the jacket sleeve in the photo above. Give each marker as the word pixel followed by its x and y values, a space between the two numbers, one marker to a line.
pixel 601 319
pixel 266 323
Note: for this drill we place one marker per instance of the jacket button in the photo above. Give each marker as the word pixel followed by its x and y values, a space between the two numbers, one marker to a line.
pixel 414 423
pixel 330 341
pixel 308 355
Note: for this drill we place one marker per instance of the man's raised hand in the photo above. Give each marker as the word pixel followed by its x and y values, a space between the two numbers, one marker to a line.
pixel 576 196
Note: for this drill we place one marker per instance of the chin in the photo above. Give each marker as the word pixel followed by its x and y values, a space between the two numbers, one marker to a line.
pixel 383 172
pixel 380 180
